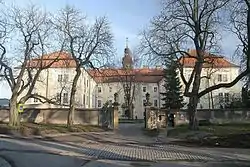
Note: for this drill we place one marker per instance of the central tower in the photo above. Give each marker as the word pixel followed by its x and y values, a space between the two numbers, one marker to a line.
pixel 127 61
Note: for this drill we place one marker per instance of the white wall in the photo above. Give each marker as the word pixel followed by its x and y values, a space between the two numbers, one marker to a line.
pixel 108 90
pixel 49 86
pixel 227 75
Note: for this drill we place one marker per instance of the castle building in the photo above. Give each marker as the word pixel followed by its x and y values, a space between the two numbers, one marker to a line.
pixel 97 87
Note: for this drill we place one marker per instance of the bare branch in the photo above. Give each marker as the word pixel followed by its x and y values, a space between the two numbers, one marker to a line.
pixel 224 85
pixel 85 43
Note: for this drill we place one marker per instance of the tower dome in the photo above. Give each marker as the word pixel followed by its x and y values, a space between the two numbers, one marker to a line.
pixel 127 60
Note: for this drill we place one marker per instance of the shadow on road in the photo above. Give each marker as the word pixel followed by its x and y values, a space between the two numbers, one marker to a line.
pixel 101 151
pixel 47 147
pixel 29 149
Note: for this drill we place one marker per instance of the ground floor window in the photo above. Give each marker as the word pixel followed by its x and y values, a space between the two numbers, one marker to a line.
pixel 65 98
pixel 99 103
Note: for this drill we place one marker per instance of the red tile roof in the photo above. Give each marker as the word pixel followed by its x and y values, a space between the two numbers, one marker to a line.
pixel 149 75
pixel 64 60
pixel 211 60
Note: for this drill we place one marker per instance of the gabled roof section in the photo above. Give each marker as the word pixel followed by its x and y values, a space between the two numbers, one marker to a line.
pixel 211 60
pixel 60 59
pixel 147 75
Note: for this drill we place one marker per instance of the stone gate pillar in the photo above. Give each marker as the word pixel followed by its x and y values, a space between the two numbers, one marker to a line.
pixel 147 112
pixel 115 112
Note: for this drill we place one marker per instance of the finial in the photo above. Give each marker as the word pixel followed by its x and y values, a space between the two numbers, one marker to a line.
pixel 127 42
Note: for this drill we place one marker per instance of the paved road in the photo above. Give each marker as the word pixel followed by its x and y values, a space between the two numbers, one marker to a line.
pixel 39 153
pixel 101 149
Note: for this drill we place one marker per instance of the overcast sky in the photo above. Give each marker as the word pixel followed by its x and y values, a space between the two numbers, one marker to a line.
pixel 127 18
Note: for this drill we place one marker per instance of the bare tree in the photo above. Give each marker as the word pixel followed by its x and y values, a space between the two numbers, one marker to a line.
pixel 30 29
pixel 239 19
pixel 127 77
pixel 183 24
pixel 240 26
pixel 128 81
pixel 89 44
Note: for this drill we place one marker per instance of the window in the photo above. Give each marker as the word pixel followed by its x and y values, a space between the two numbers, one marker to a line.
pixel 110 89
pixel 144 101
pixel 225 78
pixel 87 83
pixel 226 97
pixel 219 77
pixel 65 98
pixel 35 100
pixel 220 97
pixel 84 100
pixel 58 98
pixel 99 89
pixel 155 89
pixel 155 103
pixel 39 79
pixel 84 80
pixel 110 102
pixel 144 89
pixel 128 66
pixel 99 103
pixel 59 78
pixel 66 78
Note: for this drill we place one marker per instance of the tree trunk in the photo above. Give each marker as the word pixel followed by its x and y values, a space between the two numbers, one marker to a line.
pixel 13 114
pixel 193 100
pixel 212 99
pixel 72 107
pixel 130 109
pixel 193 123
pixel 166 118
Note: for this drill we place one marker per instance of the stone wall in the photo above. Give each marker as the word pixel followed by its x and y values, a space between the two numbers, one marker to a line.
pixel 215 116
pixel 56 116
pixel 219 114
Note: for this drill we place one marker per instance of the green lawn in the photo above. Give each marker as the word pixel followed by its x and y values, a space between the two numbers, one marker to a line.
pixel 214 129
pixel 150 133
pixel 225 135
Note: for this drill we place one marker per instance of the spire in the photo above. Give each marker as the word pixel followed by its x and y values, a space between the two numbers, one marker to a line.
pixel 127 60
pixel 127 42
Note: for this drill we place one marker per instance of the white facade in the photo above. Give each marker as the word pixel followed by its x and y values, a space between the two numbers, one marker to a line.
pixel 105 92
pixel 219 97
pixel 54 82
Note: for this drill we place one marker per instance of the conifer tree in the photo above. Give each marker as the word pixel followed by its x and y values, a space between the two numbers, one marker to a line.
pixel 172 96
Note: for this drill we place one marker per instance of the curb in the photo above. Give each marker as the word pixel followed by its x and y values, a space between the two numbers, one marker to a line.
pixel 25 138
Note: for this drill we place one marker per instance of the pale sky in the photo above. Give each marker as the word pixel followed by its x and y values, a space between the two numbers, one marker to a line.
pixel 127 18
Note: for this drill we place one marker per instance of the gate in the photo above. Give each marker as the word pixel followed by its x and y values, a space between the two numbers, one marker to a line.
pixel 106 116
